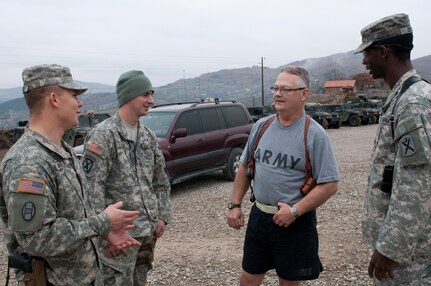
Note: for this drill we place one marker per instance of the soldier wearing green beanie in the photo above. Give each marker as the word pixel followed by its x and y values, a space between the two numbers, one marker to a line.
pixel 131 84
pixel 122 159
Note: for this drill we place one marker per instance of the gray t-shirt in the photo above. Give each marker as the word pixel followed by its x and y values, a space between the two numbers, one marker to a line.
pixel 280 160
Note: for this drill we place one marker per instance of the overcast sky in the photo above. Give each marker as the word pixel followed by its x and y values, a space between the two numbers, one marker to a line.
pixel 173 39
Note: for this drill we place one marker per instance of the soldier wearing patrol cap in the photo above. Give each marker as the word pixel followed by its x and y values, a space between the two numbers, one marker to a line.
pixel 123 161
pixel 44 200
pixel 397 211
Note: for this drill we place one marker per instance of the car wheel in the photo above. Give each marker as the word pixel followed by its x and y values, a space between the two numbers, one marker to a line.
pixel 373 119
pixel 354 120
pixel 233 163
pixel 365 121
pixel 325 123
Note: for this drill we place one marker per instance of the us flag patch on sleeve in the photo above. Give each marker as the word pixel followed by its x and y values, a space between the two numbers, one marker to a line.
pixel 31 186
pixel 96 148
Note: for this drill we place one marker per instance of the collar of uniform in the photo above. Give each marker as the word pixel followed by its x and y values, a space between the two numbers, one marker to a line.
pixel 122 129
pixel 48 144
pixel 397 87
pixel 120 126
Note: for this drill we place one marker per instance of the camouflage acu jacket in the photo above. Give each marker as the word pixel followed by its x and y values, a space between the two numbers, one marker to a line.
pixel 118 169
pixel 398 225
pixel 47 212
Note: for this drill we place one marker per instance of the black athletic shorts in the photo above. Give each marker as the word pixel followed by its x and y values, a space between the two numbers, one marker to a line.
pixel 291 251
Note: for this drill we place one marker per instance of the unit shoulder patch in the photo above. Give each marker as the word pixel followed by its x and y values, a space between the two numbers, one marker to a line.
pixel 27 213
pixel 412 142
pixel 87 163
pixel 407 146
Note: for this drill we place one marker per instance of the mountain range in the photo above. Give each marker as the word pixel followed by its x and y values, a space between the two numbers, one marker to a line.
pixel 242 84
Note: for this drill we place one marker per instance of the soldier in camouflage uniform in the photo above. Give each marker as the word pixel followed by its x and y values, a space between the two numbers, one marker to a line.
pixel 122 160
pixel 44 202
pixel 397 211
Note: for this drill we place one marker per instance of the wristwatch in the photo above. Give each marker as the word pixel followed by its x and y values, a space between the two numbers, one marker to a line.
pixel 232 206
pixel 294 212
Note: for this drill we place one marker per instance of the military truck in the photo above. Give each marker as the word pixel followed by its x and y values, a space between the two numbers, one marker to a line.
pixel 336 116
pixel 257 112
pixel 373 106
pixel 13 134
pixel 376 106
pixel 73 136
pixel 76 136
pixel 17 132
pixel 367 117
pixel 373 113
pixel 322 117
pixel 348 115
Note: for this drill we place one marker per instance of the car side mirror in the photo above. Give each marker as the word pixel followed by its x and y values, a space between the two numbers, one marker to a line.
pixel 178 133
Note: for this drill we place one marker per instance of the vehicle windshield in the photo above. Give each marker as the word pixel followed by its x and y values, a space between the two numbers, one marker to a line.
pixel 158 122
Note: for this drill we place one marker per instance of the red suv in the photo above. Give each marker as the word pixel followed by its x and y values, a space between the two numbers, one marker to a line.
pixel 200 137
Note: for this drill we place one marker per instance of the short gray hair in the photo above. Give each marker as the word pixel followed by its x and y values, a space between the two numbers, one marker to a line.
pixel 299 71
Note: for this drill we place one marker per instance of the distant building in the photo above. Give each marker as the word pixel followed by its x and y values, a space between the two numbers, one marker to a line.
pixel 340 86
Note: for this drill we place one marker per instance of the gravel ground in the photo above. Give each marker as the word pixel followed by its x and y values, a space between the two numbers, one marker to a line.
pixel 199 248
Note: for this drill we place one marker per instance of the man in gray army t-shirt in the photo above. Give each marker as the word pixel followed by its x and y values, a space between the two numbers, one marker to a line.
pixel 281 231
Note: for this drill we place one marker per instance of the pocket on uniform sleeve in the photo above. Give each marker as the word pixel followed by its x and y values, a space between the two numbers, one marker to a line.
pixel 412 142
pixel 27 212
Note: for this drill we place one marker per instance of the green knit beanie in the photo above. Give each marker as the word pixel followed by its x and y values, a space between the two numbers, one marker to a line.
pixel 132 84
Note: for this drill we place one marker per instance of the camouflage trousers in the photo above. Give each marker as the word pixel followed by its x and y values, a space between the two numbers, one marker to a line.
pixel 131 269
pixel 413 274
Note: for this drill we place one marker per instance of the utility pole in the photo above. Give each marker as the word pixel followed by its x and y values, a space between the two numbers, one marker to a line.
pixel 199 88
pixel 184 80
pixel 252 94
pixel 261 75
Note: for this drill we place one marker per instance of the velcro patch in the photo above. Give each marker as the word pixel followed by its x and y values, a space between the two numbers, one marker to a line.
pixel 31 186
pixel 96 148
pixel 87 164
pixel 27 212
pixel 407 146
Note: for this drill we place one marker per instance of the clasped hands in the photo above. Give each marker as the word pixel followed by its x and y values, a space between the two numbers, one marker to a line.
pixel 121 222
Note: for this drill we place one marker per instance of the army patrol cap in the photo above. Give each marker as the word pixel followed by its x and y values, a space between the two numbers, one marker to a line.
pixel 386 28
pixel 44 75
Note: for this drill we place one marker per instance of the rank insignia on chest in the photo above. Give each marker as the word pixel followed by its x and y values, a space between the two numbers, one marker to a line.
pixel 96 148
pixel 31 186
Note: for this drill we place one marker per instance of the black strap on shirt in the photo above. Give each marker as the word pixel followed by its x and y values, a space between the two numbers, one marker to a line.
pixel 407 83
pixel 251 162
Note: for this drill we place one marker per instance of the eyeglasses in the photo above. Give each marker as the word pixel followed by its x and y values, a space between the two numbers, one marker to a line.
pixel 284 90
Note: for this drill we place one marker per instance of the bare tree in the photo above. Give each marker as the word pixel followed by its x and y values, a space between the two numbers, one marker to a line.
pixel 335 74
pixel 364 81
